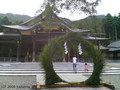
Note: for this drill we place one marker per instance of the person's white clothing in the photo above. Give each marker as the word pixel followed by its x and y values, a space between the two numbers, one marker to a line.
pixel 74 60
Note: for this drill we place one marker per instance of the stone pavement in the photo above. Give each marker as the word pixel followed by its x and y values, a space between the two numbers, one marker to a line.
pixel 59 67
pixel 21 76
pixel 76 88
pixel 68 77
pixel 25 82
pixel 17 82
pixel 71 78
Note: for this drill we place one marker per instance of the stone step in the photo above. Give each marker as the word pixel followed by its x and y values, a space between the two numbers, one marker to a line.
pixel 41 72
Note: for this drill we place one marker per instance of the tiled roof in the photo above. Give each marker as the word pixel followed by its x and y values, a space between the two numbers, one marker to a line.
pixel 103 47
pixel 114 49
pixel 115 44
pixel 20 27
pixel 47 18
pixel 9 34
pixel 95 38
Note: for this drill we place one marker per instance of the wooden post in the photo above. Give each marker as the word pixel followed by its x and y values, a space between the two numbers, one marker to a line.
pixel 34 46
pixel 38 85
pixel 33 54
pixel 98 43
pixel 18 49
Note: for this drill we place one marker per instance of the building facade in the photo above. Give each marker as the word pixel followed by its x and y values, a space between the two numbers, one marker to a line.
pixel 24 42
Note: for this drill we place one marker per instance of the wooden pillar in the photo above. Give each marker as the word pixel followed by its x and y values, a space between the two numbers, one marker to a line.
pixel 98 44
pixel 34 46
pixel 18 50
pixel 33 54
pixel 9 54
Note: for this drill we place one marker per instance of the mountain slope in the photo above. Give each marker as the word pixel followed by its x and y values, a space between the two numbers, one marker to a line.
pixel 93 23
pixel 15 17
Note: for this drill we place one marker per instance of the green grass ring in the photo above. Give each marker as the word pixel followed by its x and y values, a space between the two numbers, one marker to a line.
pixel 56 47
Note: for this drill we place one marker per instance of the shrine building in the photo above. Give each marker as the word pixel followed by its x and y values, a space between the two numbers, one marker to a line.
pixel 24 42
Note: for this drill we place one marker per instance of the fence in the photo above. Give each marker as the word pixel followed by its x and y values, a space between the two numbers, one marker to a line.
pixel 5 59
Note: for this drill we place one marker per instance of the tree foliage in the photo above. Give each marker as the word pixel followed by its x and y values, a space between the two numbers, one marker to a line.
pixel 111 26
pixel 93 23
pixel 5 21
pixel 86 6
pixel 13 18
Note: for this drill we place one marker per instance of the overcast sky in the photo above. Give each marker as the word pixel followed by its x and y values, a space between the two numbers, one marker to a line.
pixel 29 7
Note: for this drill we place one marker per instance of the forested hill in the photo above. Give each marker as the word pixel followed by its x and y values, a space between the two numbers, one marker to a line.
pixel 97 24
pixel 100 16
pixel 13 18
pixel 93 23
pixel 10 18
pixel 90 22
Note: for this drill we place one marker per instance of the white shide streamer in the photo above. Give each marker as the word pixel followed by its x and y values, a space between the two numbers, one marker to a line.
pixel 80 49
pixel 65 46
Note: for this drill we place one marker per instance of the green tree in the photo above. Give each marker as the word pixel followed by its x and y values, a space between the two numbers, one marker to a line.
pixel 18 22
pixel 108 24
pixel 5 21
pixel 111 26
pixel 86 6
pixel 93 23
pixel 118 27
pixel 96 24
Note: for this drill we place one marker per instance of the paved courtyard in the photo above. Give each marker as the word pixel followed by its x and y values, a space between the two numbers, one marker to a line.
pixel 21 76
